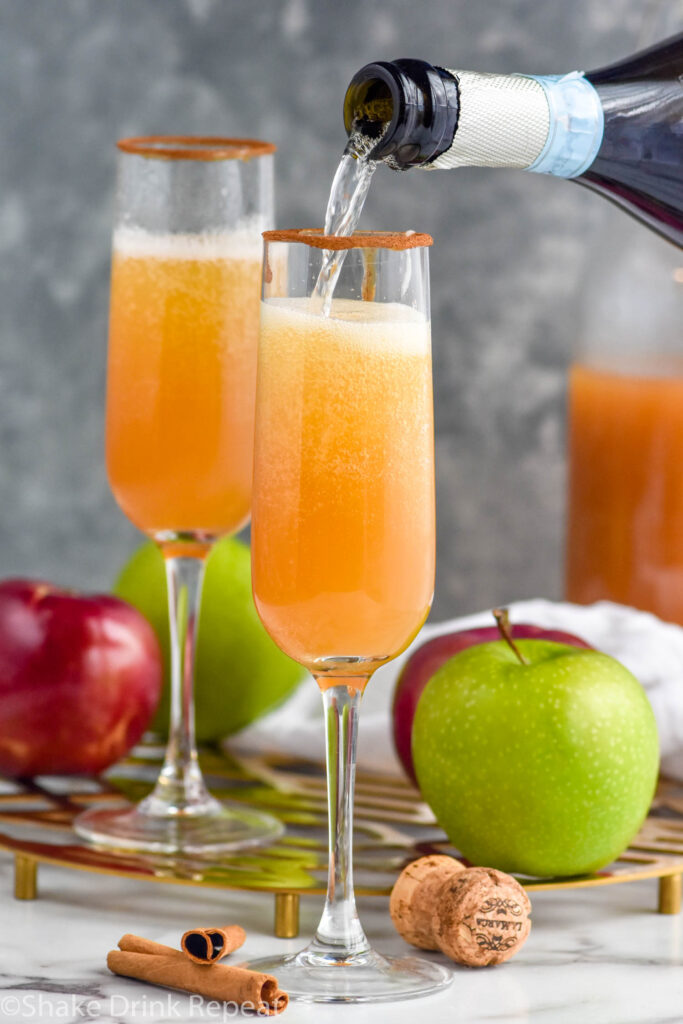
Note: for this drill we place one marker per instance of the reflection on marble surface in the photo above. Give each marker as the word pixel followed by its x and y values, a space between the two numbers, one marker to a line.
pixel 593 957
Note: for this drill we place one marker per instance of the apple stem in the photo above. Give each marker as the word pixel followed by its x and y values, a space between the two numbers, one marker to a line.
pixel 502 618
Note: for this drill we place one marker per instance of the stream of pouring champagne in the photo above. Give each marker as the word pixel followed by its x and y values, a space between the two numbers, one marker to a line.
pixel 347 196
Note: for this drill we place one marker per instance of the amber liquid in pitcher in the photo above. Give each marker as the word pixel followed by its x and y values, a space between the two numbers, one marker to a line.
pixel 625 508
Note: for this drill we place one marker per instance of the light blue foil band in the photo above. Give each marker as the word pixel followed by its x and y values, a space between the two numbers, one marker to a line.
pixel 576 125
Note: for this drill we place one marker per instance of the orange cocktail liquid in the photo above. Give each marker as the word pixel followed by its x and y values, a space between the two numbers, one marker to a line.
pixel 181 379
pixel 343 520
pixel 625 531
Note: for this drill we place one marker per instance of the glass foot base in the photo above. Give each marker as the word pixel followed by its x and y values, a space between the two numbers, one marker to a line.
pixel 312 977
pixel 216 829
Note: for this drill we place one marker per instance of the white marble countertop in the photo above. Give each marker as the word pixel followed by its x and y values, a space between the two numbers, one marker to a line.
pixel 600 956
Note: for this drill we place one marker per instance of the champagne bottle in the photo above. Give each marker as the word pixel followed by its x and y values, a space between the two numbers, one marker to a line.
pixel 617 130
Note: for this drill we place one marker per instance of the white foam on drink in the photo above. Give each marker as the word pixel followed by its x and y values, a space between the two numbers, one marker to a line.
pixel 392 327
pixel 244 243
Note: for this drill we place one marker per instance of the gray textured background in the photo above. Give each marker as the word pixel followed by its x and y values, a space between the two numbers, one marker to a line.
pixel 511 252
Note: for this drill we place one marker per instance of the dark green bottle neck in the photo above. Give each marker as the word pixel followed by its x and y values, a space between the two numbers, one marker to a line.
pixel 403 112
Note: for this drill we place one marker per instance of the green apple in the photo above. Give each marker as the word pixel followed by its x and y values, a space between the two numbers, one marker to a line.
pixel 240 673
pixel 541 761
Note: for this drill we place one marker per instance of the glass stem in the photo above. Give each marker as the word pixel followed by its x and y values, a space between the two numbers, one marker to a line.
pixel 180 787
pixel 340 932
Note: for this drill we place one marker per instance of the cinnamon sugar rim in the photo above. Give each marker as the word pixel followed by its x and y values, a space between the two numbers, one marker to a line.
pixel 358 240
pixel 194 147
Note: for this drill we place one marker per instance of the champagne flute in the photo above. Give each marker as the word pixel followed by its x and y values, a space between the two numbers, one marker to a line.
pixel 180 411
pixel 343 531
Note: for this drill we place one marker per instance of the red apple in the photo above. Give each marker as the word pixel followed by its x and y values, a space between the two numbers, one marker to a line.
pixel 423 663
pixel 80 678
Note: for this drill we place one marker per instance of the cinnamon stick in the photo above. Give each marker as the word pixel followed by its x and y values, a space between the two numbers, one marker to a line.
pixel 172 969
pixel 130 943
pixel 208 945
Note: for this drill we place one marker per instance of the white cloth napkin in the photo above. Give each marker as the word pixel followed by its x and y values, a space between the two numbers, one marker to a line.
pixel 651 649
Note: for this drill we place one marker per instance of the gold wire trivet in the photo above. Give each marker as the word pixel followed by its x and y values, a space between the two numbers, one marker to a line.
pixel 392 827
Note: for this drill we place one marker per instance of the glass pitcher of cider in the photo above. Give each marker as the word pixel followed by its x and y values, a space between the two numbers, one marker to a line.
pixel 625 433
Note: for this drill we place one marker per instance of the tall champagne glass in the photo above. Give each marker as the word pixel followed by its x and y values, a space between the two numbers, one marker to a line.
pixel 343 530
pixel 181 379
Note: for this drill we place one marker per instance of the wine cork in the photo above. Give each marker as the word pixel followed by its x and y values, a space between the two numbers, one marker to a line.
pixel 483 917
pixel 476 916
pixel 415 895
